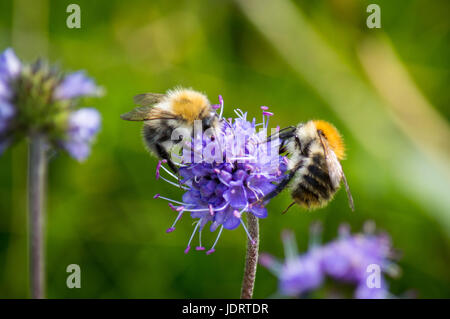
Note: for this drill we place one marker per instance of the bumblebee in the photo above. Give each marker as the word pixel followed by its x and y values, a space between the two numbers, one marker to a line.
pixel 314 174
pixel 164 113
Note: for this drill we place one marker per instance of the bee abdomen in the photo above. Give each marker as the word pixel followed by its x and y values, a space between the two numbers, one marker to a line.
pixel 320 189
pixel 318 173
pixel 304 196
pixel 314 189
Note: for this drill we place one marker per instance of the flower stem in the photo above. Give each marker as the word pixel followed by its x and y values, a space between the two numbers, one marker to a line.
pixel 251 259
pixel 37 173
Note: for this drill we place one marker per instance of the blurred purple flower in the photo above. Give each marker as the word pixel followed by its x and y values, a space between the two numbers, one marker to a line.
pixel 7 112
pixel 10 68
pixel 346 259
pixel 75 85
pixel 10 65
pixel 363 291
pixel 83 126
pixel 236 169
pixel 5 90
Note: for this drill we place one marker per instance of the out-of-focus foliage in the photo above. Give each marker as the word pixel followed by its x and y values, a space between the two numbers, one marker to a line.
pixel 101 214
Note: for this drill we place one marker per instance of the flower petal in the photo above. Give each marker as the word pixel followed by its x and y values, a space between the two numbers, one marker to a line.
pixel 10 66
pixel 236 196
pixel 76 85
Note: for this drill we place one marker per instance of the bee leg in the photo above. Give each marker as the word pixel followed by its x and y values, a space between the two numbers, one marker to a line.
pixel 290 205
pixel 162 153
pixel 282 185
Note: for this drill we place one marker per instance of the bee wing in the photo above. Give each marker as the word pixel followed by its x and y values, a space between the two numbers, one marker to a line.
pixel 148 99
pixel 147 113
pixel 335 170
pixel 138 114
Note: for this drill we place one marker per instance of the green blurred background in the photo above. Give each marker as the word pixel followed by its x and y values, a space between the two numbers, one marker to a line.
pixel 385 89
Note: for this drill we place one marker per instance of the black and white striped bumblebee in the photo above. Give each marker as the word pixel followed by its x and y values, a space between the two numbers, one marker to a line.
pixel 164 113
pixel 314 174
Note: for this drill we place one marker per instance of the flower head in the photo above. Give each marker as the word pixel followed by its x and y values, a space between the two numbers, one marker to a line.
pixel 348 259
pixel 226 174
pixel 10 66
pixel 7 112
pixel 36 98
pixel 83 126
pixel 75 85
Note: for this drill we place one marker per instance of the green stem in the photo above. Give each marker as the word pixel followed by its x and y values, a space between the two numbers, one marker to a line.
pixel 251 259
pixel 37 173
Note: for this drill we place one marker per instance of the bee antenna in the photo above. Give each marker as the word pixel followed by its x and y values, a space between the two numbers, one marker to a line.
pixel 290 205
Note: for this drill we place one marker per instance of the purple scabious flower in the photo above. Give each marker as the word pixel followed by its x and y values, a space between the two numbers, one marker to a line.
pixel 225 175
pixel 347 258
pixel 36 98
pixel 352 259
pixel 7 112
pixel 10 68
pixel 298 274
pixel 75 85
pixel 83 126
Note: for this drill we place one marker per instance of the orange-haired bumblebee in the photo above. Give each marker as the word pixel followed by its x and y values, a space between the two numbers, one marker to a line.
pixel 163 113
pixel 314 172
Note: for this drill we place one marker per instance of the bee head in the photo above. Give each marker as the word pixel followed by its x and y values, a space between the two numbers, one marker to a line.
pixel 333 137
pixel 209 120
pixel 188 104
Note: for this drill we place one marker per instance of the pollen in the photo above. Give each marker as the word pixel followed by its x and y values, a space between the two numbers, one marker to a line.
pixel 188 104
pixel 333 137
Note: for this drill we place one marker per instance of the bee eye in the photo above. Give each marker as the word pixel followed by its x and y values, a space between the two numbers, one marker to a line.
pixel 206 123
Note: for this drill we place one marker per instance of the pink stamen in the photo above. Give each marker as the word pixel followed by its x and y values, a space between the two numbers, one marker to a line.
pixel 264 108
pixel 156 196
pixel 170 229
pixel 209 252
pixel 158 167
pixel 187 249
pixel 267 113
pixel 199 248
pixel 236 214
pixel 211 210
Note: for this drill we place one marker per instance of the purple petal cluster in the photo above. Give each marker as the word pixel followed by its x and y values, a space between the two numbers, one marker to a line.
pixel 348 259
pixel 237 167
pixel 76 85
pixel 77 128
pixel 10 68
pixel 83 127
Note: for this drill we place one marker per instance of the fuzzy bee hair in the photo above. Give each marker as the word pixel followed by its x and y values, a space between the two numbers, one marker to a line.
pixel 314 171
pixel 162 114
